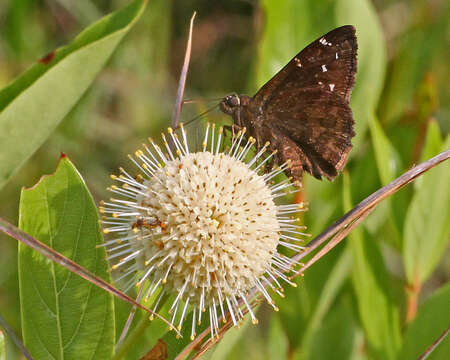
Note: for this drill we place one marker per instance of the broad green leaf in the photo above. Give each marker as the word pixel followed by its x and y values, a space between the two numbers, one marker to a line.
pixel 35 103
pixel 377 310
pixel 63 315
pixel 427 224
pixel 371 60
pixel 432 319
pixel 388 161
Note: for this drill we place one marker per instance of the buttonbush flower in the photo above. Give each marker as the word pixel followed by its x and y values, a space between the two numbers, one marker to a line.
pixel 202 226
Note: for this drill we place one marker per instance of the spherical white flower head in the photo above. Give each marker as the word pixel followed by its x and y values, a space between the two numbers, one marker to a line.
pixel 221 227
pixel 203 226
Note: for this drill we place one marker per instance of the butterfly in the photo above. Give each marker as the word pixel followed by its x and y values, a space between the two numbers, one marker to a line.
pixel 304 111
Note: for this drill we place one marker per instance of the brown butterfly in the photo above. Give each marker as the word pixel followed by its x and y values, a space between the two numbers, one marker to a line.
pixel 304 109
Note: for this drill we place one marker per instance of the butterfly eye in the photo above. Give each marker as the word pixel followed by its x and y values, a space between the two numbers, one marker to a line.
pixel 233 100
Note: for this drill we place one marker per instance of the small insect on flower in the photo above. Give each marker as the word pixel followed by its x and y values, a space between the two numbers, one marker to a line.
pixel 203 227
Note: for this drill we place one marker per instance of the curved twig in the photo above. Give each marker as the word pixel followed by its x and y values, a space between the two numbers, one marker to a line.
pixel 342 227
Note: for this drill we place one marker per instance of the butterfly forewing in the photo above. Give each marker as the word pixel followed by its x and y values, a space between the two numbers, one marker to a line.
pixel 328 63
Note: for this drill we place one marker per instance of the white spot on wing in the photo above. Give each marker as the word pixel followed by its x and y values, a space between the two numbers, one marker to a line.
pixel 324 41
pixel 320 82
pixel 324 68
pixel 331 87
pixel 337 57
pixel 297 62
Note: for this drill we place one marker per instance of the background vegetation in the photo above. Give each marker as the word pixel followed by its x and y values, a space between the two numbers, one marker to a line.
pixel 384 292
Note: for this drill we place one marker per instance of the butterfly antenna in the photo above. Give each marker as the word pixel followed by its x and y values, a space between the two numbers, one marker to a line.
pixel 191 101
pixel 202 114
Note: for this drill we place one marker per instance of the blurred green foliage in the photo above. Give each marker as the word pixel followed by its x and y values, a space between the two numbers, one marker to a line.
pixel 383 293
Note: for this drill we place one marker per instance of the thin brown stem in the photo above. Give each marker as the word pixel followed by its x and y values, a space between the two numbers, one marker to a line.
pixel 15 339
pixel 412 295
pixel 434 345
pixel 182 82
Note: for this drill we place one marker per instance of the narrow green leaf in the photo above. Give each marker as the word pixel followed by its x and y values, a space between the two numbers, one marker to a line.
pixel 433 141
pixel 175 345
pixel 418 47
pixel 286 32
pixel 427 224
pixel 222 350
pixel 299 306
pixel 432 319
pixel 371 60
pixel 333 285
pixel 290 26
pixel 336 336
pixel 277 341
pixel 63 315
pixel 34 104
pixel 377 309
pixel 388 161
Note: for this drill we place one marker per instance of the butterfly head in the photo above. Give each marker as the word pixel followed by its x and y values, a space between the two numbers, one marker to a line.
pixel 230 103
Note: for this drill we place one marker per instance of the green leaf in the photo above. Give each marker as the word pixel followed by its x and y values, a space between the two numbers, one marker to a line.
pixel 277 341
pixel 432 319
pixel 63 315
pixel 143 332
pixel 222 350
pixel 377 309
pixel 433 141
pixel 387 158
pixel 427 224
pixel 280 40
pixel 418 48
pixel 35 103
pixel 298 307
pixel 371 60
pixel 330 291
pixel 336 336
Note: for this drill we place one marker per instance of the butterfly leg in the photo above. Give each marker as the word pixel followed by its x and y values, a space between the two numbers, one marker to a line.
pixel 233 129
